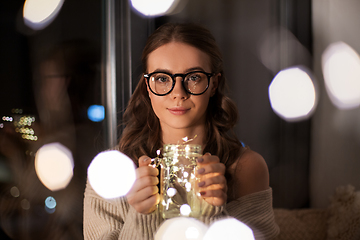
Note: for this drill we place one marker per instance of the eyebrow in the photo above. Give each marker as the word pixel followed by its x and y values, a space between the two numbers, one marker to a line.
pixel 186 71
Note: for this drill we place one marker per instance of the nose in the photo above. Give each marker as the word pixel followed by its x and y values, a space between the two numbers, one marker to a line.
pixel 179 91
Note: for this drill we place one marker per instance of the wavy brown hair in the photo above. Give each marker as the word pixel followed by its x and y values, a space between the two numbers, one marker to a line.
pixel 142 132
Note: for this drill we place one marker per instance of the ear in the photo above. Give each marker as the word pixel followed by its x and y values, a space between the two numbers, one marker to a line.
pixel 215 83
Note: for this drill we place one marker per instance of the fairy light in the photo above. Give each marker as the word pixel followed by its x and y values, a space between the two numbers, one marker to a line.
pixel 183 228
pixel 179 164
pixel 341 71
pixel 111 174
pixel 23 125
pixel 292 94
pixel 192 233
pixel 7 119
pixel 188 186
pixel 38 14
pixel 229 229
pixel 50 205
pixel 54 165
pixel 185 210
pixel 171 192
pixel 153 7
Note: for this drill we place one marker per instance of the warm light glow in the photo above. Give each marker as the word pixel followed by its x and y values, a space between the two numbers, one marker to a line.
pixel 111 174
pixel 292 94
pixel 229 229
pixel 54 166
pixel 153 7
pixel 40 13
pixel 185 210
pixel 341 70
pixel 171 192
pixel 181 228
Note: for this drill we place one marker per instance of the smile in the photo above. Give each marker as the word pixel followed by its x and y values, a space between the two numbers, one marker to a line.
pixel 178 110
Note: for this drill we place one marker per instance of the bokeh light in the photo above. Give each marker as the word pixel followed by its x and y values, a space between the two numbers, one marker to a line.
pixel 7 119
pixel 171 192
pixel 341 71
pixel 111 174
pixel 25 204
pixel 38 14
pixel 50 202
pixel 279 48
pixel 14 191
pixel 96 113
pixel 23 126
pixel 185 210
pixel 154 7
pixel 54 166
pixel 181 228
pixel 229 229
pixel 292 94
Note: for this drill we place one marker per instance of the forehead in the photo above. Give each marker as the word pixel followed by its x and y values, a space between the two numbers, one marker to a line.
pixel 177 57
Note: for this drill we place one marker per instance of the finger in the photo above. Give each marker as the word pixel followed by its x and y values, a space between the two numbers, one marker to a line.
pixel 207 158
pixel 144 161
pixel 218 182
pixel 146 171
pixel 144 182
pixel 218 168
pixel 214 197
pixel 142 194
pixel 148 205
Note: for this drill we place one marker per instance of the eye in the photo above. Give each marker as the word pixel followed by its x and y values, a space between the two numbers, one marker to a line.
pixel 195 77
pixel 161 78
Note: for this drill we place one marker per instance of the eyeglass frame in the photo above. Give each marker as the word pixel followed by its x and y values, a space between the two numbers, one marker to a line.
pixel 174 76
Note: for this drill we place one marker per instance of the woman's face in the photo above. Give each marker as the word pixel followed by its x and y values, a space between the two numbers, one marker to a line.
pixel 179 109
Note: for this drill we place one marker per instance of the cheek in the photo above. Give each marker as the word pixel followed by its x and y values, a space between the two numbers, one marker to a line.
pixel 156 105
pixel 202 103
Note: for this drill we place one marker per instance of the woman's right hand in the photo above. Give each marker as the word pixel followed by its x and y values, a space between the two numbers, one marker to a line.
pixel 144 194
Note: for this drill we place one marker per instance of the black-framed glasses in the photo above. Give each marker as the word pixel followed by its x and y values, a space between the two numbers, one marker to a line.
pixel 162 83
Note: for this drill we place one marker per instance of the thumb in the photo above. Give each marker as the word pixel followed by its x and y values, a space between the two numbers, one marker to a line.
pixel 144 161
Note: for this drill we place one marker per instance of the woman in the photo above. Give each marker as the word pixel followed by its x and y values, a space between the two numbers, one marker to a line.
pixel 169 103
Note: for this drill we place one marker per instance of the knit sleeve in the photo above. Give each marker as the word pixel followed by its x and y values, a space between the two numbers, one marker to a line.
pixel 115 219
pixel 256 211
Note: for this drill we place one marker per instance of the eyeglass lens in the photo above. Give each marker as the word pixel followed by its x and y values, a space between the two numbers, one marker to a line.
pixel 162 83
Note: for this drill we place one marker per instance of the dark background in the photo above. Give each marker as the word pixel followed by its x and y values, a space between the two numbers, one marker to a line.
pixel 240 28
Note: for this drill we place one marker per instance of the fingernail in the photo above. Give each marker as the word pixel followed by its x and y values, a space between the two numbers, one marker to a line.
pixel 200 184
pixel 202 193
pixel 146 159
pixel 201 171
pixel 200 160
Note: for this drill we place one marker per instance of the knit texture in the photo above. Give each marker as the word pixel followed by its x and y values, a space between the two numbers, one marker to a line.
pixel 344 220
pixel 115 219
pixel 300 224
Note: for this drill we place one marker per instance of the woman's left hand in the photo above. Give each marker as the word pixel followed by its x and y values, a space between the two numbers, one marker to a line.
pixel 212 184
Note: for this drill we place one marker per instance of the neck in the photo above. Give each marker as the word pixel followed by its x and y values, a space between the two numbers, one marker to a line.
pixel 176 136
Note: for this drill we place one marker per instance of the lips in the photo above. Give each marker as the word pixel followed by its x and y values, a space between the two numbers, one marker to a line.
pixel 178 110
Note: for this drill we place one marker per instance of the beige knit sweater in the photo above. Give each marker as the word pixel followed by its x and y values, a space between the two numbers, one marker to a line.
pixel 115 219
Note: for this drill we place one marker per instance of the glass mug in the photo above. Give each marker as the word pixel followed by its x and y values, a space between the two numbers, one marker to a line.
pixel 179 195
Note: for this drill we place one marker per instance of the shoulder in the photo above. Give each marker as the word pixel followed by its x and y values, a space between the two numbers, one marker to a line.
pixel 249 173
